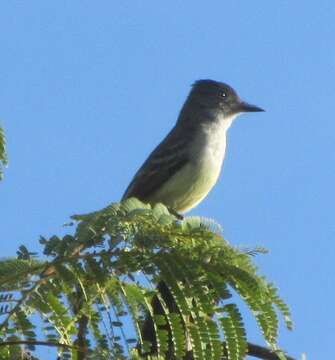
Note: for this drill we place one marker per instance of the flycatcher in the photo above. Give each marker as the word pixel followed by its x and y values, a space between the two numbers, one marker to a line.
pixel 185 166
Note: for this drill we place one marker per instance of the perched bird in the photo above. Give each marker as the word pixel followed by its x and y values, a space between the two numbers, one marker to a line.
pixel 185 166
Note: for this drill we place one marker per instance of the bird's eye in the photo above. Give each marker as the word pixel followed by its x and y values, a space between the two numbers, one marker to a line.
pixel 222 94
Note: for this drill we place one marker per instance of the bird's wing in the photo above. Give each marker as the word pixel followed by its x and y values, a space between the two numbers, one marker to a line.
pixel 168 157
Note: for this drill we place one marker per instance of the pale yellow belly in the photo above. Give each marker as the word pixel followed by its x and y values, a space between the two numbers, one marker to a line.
pixel 189 186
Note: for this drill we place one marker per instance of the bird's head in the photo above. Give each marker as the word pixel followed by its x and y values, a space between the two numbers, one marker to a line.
pixel 219 97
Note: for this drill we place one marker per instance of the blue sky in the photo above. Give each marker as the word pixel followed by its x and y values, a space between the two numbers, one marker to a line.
pixel 89 88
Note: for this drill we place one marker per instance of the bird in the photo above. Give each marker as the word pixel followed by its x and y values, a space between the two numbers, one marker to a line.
pixel 184 167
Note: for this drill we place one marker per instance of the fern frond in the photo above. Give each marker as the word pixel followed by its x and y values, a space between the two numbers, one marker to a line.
pixel 281 306
pixel 183 301
pixel 97 275
pixel 3 155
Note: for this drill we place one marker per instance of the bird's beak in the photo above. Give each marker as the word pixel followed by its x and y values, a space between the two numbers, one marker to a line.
pixel 245 107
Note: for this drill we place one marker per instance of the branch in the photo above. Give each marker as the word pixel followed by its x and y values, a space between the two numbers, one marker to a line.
pixel 81 337
pixel 81 340
pixel 264 353
pixel 42 343
pixel 257 351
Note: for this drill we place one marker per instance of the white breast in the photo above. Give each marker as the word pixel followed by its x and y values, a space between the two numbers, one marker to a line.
pixel 207 156
pixel 210 144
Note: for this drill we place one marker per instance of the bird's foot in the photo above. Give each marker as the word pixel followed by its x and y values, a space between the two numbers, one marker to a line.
pixel 176 214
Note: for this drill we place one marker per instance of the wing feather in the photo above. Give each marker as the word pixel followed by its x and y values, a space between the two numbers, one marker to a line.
pixel 165 161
